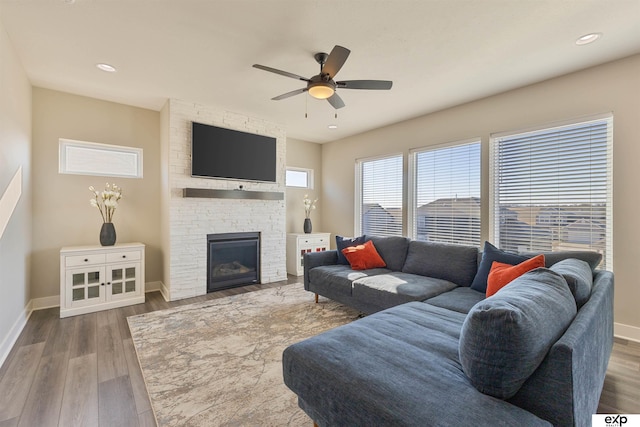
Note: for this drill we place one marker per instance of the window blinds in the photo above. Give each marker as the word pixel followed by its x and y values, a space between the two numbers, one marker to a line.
pixel 447 194
pixel 380 206
pixel 552 189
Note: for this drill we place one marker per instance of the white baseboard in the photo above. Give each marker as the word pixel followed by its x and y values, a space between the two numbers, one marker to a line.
pixel 153 286
pixel 45 302
pixel 14 333
pixel 165 292
pixel 626 332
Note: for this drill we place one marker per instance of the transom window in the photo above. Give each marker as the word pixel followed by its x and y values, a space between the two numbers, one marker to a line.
pixel 299 177
pixel 90 158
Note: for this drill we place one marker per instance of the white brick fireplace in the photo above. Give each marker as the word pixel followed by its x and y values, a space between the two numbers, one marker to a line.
pixel 187 221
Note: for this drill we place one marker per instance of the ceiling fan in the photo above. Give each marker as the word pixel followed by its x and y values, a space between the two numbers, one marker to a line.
pixel 322 86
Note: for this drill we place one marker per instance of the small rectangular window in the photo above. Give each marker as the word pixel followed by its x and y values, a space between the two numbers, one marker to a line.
pixel 299 178
pixel 90 158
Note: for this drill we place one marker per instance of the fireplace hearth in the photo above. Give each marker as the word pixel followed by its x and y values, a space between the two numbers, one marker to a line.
pixel 233 259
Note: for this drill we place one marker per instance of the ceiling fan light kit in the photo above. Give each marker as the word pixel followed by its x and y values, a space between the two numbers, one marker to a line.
pixel 321 90
pixel 322 86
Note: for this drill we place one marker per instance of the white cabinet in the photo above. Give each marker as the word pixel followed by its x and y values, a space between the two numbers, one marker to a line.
pixel 96 278
pixel 299 244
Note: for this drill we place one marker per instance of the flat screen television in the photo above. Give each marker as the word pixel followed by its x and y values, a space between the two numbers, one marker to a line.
pixel 230 154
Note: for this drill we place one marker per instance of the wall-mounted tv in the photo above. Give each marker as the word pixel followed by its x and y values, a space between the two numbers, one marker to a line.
pixel 225 153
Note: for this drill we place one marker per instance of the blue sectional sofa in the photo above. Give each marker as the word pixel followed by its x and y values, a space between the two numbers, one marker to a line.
pixel 435 352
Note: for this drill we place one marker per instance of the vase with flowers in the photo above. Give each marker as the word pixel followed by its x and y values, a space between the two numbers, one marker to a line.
pixel 309 205
pixel 106 202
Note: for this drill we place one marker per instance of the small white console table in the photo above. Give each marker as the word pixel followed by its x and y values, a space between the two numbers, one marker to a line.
pixel 94 278
pixel 299 244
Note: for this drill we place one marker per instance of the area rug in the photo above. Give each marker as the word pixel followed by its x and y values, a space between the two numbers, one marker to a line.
pixel 219 363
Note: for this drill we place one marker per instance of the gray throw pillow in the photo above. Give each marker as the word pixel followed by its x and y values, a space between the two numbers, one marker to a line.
pixel 392 249
pixel 579 277
pixel 505 337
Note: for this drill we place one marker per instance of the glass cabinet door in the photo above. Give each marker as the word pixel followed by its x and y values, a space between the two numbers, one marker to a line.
pixel 85 286
pixel 123 280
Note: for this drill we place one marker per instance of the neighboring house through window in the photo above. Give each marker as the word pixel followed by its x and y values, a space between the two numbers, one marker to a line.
pixel 552 188
pixel 379 196
pixel 444 193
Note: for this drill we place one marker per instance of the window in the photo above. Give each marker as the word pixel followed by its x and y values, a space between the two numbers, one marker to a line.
pixel 379 196
pixel 300 178
pixel 551 189
pixel 445 193
pixel 90 158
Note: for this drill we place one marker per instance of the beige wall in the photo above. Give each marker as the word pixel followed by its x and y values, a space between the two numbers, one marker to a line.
pixel 15 152
pixel 612 87
pixel 308 155
pixel 61 212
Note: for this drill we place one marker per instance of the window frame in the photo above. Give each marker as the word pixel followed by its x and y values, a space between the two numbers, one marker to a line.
pixel 63 166
pixel 412 190
pixel 550 127
pixel 358 190
pixel 310 177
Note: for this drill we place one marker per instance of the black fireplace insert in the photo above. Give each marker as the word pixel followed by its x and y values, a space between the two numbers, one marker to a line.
pixel 233 259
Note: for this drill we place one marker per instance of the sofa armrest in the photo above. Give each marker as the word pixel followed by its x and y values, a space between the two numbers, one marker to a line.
pixel 576 365
pixel 316 259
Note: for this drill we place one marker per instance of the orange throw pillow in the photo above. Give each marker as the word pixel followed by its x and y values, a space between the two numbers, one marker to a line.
pixel 363 257
pixel 502 274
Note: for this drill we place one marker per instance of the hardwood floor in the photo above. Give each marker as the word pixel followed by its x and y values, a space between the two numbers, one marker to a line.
pixel 83 370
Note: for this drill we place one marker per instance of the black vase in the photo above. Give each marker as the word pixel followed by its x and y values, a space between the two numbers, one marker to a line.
pixel 307 225
pixel 107 234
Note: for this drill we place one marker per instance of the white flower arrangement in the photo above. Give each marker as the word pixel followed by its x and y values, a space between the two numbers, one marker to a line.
pixel 309 205
pixel 106 201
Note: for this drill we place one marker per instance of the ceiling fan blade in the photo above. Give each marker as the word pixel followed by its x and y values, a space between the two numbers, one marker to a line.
pixel 289 94
pixel 365 84
pixel 335 61
pixel 335 101
pixel 282 73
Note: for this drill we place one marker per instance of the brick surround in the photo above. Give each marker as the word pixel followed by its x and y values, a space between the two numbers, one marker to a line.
pixel 189 220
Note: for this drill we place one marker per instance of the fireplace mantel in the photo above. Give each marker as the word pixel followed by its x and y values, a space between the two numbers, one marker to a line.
pixel 232 194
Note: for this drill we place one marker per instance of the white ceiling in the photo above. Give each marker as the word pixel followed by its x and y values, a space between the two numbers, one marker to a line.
pixel 439 53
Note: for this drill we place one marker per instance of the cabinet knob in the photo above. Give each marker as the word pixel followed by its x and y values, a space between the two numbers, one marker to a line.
pixel 124 256
pixel 108 283
pixel 86 260
pixel 101 284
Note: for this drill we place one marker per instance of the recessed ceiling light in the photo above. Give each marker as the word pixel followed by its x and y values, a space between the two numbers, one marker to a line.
pixel 106 67
pixel 588 38
pixel 333 126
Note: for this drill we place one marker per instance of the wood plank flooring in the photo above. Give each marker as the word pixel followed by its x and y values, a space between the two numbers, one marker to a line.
pixel 83 370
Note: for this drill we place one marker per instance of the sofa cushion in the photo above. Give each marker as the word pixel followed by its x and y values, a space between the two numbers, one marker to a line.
pixel 392 249
pixel 551 258
pixel 363 257
pixel 397 367
pixel 505 338
pixel 579 277
pixel 455 263
pixel 502 274
pixel 460 299
pixel 490 254
pixel 391 289
pixel 345 242
pixel 338 278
